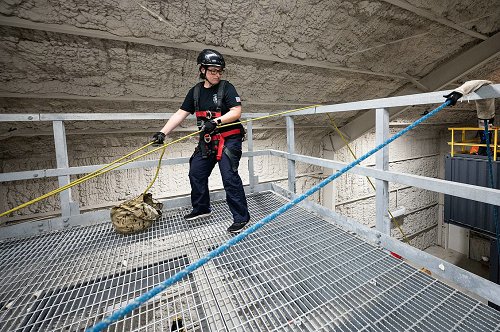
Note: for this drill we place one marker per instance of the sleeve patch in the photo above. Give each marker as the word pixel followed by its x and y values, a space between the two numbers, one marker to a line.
pixel 238 100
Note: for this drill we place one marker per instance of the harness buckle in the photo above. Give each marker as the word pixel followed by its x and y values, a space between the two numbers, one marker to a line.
pixel 208 115
pixel 207 138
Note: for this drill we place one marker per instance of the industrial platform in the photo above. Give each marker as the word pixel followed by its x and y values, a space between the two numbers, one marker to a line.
pixel 299 273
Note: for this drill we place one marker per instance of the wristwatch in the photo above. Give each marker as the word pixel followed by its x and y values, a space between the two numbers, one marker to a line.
pixel 218 121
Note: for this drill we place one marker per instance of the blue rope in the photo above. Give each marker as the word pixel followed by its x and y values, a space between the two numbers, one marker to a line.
pixel 120 313
pixel 492 185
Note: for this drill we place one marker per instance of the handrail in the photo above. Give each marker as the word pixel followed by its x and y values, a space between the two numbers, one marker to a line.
pixel 58 119
pixel 486 92
pixel 472 143
pixel 98 116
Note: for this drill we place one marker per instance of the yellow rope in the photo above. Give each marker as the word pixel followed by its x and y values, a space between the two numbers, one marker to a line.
pixel 96 173
pixel 157 170
pixel 90 175
pixel 369 180
pixel 222 126
pixel 109 167
pixel 271 115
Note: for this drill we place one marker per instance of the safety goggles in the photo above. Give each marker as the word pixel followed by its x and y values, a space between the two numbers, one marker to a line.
pixel 216 71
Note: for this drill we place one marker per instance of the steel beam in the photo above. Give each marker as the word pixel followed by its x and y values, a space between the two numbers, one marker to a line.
pixel 99 116
pixel 433 17
pixel 437 79
pixel 46 173
pixel 19 117
pixel 486 92
pixel 419 35
pixel 191 129
pixel 467 191
pixel 463 64
pixel 481 194
pixel 129 98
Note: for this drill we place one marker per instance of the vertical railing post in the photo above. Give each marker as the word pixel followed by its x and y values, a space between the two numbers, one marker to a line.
pixel 462 149
pixel 290 140
pixel 251 166
pixel 495 143
pixel 382 162
pixel 452 142
pixel 68 207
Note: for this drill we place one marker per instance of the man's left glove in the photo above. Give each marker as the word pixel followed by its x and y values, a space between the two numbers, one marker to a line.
pixel 158 138
pixel 209 127
pixel 452 97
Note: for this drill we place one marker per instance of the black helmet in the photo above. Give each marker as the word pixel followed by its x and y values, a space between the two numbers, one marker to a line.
pixel 210 57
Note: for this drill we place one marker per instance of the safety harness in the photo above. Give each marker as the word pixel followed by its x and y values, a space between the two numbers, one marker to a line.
pixel 211 143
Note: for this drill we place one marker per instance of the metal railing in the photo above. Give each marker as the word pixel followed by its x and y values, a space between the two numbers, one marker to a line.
pixel 464 143
pixel 70 214
pixel 380 172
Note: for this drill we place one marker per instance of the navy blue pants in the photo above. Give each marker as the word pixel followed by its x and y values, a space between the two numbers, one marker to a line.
pixel 201 168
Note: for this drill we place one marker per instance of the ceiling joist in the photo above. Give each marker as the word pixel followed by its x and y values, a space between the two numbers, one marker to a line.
pixel 436 80
pixel 432 17
pixel 130 99
pixel 191 46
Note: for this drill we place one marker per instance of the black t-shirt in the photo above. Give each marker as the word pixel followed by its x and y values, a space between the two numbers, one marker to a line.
pixel 208 101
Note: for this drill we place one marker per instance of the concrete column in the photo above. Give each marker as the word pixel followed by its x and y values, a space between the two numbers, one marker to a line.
pixel 383 223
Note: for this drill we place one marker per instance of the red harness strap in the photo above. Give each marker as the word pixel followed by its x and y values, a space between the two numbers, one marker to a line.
pixel 207 114
pixel 220 138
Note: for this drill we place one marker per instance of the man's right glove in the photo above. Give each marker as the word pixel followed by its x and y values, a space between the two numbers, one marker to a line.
pixel 158 138
pixel 452 97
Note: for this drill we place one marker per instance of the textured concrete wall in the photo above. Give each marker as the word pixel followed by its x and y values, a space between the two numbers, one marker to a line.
pixel 21 153
pixel 109 50
pixel 416 153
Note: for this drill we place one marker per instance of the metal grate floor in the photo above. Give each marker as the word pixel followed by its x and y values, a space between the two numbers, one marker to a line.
pixel 299 273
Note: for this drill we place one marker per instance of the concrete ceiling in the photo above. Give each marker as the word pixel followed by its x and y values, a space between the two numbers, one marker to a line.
pixel 130 56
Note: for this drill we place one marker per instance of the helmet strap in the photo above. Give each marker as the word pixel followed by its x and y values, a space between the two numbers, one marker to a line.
pixel 210 83
pixel 203 75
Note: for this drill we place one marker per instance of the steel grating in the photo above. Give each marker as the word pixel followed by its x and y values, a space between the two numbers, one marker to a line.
pixel 299 273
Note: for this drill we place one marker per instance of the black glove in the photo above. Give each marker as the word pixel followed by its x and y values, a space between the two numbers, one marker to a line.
pixel 452 97
pixel 158 138
pixel 209 127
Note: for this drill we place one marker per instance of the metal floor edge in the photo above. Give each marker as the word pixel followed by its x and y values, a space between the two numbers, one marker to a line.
pixel 299 273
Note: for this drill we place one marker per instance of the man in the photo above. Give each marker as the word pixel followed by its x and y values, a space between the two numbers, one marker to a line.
pixel 215 102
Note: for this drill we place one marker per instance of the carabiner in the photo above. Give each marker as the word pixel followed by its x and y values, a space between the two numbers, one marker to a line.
pixel 207 138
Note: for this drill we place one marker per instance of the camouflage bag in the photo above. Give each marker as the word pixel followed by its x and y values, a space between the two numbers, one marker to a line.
pixel 136 215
